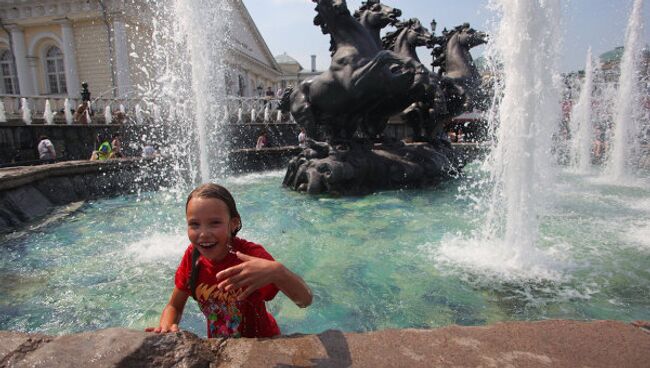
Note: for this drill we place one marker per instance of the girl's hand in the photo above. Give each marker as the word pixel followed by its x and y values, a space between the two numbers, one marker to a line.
pixel 162 329
pixel 250 275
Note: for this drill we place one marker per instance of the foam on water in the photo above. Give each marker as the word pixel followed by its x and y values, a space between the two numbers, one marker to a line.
pixel 254 177
pixel 638 235
pixel 498 262
pixel 158 246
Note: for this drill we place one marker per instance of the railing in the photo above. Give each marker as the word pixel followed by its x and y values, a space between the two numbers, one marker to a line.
pixel 239 109
pixel 13 104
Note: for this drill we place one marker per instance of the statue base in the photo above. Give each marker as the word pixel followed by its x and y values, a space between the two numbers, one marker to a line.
pixel 356 168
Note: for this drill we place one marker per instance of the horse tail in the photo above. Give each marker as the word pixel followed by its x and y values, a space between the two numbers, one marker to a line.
pixel 285 101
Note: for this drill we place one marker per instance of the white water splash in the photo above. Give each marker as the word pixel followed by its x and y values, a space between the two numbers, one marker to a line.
pixel 627 116
pixel 526 46
pixel 267 113
pixel 3 114
pixel 89 119
pixel 581 124
pixel 27 113
pixel 108 115
pixel 67 112
pixel 48 116
pixel 187 66
pixel 158 247
pixel 138 114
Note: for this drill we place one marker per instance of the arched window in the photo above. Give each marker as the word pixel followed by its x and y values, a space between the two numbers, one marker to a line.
pixel 8 83
pixel 55 71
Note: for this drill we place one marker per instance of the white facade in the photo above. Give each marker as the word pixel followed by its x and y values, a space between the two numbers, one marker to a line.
pixel 48 47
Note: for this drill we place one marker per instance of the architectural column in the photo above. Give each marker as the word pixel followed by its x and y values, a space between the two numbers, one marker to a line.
pixel 70 59
pixel 32 61
pixel 25 80
pixel 121 58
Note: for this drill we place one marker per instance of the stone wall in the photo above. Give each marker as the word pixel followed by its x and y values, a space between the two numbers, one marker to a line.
pixel 18 141
pixel 555 344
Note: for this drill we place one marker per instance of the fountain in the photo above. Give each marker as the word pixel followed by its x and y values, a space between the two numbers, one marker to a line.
pixel 67 111
pixel 108 115
pixel 189 89
pixel 138 114
pixel 253 115
pixel 267 113
pixel 278 118
pixel 89 119
pixel 625 141
pixel 519 166
pixel 27 113
pixel 239 115
pixel 3 114
pixel 407 258
pixel 581 122
pixel 48 116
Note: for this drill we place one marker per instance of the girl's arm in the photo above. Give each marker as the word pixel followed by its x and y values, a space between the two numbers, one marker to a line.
pixel 172 313
pixel 255 272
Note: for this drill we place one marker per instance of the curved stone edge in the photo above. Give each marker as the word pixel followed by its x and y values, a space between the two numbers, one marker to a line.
pixel 29 193
pixel 554 343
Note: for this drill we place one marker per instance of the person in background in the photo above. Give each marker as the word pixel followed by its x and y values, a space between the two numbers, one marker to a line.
pixel 46 151
pixel 269 93
pixel 149 151
pixel 302 138
pixel 103 152
pixel 262 141
pixel 117 146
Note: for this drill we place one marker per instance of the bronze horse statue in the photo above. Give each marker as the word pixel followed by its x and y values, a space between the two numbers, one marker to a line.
pixel 375 16
pixel 405 40
pixel 458 79
pixel 360 77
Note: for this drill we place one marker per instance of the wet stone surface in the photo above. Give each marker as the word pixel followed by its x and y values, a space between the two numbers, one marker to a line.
pixel 520 344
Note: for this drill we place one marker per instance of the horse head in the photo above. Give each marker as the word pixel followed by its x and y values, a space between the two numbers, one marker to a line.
pixel 468 37
pixel 409 35
pixel 418 35
pixel 373 14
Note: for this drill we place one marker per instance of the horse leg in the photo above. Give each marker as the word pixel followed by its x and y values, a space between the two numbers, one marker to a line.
pixel 302 111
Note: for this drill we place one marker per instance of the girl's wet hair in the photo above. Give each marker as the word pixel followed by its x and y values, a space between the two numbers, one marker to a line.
pixel 216 191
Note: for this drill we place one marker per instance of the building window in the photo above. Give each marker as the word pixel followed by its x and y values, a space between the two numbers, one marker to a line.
pixel 8 83
pixel 55 71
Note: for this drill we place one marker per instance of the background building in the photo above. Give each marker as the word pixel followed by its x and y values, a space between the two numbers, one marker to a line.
pixel 48 47
pixel 292 72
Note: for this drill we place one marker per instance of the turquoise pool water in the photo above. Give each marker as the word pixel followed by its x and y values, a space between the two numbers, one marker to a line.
pixel 390 260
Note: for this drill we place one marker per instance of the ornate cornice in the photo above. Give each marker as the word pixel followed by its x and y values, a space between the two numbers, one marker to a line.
pixel 21 10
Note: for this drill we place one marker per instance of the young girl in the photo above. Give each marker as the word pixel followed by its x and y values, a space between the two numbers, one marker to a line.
pixel 231 278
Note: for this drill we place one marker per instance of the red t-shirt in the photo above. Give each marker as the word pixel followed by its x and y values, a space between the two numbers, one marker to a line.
pixel 227 317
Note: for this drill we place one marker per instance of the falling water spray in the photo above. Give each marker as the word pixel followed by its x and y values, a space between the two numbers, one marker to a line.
pixel 582 123
pixel 627 112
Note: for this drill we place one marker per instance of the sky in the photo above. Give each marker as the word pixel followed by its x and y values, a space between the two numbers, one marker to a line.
pixel 286 25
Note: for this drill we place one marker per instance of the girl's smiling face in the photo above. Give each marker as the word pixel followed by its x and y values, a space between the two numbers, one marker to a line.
pixel 210 227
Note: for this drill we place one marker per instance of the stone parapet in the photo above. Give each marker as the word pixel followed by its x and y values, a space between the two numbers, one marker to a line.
pixel 515 344
pixel 28 193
